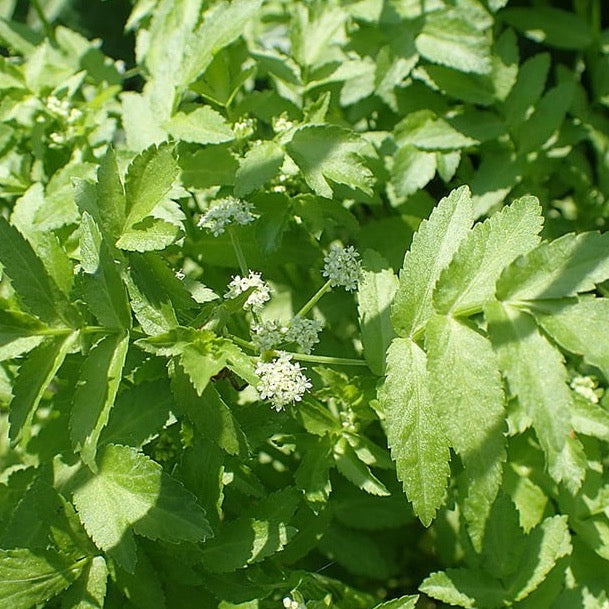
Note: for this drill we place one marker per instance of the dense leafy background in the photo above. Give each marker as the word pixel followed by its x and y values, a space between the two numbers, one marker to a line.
pixel 465 462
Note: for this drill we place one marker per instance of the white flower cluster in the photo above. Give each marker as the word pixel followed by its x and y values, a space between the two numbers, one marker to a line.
pixel 227 211
pixel 270 334
pixel 587 388
pixel 282 123
pixel 257 298
pixel 290 603
pixel 62 110
pixel 342 267
pixel 281 381
pixel 244 128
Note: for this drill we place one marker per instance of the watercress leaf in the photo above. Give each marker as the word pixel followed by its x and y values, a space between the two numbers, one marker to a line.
pixel 34 376
pixel 102 287
pixel 375 294
pixel 577 327
pixel 418 443
pixel 563 267
pixel 150 234
pixel 467 390
pixel 432 249
pixel 89 590
pixel 261 163
pixel 36 291
pixel 537 376
pixel 469 280
pixel 98 384
pixel 129 494
pixel 329 154
pixel 201 126
pixel 149 178
pixel 28 578
pixel 426 131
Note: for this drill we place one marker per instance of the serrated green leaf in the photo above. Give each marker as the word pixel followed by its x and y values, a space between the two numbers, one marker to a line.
pixel 313 473
pixel 201 126
pixel 356 471
pixel 248 539
pixel 469 280
pixel 35 374
pixel 544 546
pixel 536 375
pixel 149 178
pixel 471 88
pixel 590 419
pixel 563 267
pixel 467 390
pixel 577 326
pixel 89 590
pixel 328 154
pixel 149 234
pixel 261 163
pixel 374 296
pixel 110 196
pixel 418 444
pixel 558 28
pixel 452 40
pixel 433 247
pixel 527 90
pixel 102 286
pixel 28 578
pixel 36 291
pixel 18 333
pixel 426 131
pixel 132 494
pixel 98 384
pixel 142 587
pixel 468 588
pixel 547 118
pixel 412 169
pixel 404 602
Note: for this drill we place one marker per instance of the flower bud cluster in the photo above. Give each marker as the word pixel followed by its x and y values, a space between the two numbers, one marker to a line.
pixel 342 267
pixel 227 211
pixel 587 388
pixel 290 603
pixel 270 334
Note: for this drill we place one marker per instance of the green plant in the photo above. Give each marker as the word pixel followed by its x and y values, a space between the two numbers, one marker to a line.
pixel 222 382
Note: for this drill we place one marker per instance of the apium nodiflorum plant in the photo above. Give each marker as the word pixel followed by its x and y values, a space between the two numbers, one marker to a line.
pixel 280 325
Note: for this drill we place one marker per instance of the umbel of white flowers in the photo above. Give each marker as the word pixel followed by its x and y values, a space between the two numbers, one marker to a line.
pixel 227 211
pixel 342 267
pixel 261 294
pixel 270 334
pixel 281 381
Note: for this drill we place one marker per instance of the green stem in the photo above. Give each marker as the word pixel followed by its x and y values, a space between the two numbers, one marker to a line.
pixel 43 19
pixel 243 343
pixel 326 287
pixel 238 251
pixel 323 359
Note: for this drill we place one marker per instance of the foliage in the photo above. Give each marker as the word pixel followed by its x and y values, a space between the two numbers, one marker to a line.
pixel 248 361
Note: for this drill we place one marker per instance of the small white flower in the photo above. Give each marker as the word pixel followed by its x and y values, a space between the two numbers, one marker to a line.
pixel 244 128
pixel 342 267
pixel 257 298
pixel 180 275
pixel 304 332
pixel 268 334
pixel 58 106
pixel 281 381
pixel 587 388
pixel 282 123
pixel 227 211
